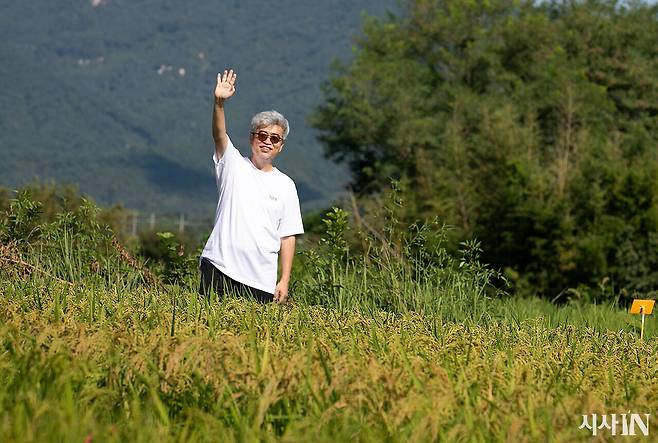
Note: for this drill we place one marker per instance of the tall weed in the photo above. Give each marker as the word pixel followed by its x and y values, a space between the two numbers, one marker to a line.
pixel 402 269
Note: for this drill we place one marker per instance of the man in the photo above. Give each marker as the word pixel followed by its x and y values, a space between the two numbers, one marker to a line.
pixel 258 211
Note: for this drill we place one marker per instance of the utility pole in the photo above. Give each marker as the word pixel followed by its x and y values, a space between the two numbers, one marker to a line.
pixel 181 223
pixel 134 227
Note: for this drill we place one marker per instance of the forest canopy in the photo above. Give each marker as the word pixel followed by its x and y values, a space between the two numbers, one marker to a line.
pixel 530 126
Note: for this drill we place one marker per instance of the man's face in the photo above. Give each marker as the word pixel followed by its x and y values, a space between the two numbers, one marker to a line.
pixel 264 149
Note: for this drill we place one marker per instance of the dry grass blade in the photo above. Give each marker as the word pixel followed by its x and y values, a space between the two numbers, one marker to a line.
pixel 128 258
pixel 10 260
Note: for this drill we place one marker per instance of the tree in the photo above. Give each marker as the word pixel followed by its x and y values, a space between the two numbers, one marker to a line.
pixel 532 126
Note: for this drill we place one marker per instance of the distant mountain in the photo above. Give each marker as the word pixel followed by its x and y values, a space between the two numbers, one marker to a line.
pixel 116 95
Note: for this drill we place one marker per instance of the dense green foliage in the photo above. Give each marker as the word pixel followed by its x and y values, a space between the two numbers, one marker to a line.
pixel 400 350
pixel 51 200
pixel 94 95
pixel 531 126
pixel 64 247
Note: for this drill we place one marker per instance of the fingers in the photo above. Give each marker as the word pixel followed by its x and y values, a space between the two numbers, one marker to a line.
pixel 280 296
pixel 228 76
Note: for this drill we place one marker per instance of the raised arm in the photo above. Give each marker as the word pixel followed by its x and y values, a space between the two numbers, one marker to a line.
pixel 223 91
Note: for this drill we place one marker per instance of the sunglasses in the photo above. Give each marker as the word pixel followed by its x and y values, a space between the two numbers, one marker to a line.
pixel 262 136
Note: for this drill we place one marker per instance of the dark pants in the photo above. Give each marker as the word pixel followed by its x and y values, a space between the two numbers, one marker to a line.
pixel 213 280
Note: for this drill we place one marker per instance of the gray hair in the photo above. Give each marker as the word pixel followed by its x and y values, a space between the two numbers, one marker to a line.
pixel 269 118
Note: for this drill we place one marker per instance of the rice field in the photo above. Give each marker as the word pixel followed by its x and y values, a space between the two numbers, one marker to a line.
pixel 124 362
pixel 377 347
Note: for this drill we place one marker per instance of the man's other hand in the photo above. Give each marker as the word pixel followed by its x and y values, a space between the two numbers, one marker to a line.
pixel 281 292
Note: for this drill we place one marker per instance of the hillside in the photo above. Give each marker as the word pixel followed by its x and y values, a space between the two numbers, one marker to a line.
pixel 114 95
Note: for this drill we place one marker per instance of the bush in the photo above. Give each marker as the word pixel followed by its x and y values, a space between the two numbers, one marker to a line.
pixel 70 245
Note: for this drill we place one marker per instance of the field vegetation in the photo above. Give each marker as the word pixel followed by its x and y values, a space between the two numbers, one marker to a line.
pixel 397 341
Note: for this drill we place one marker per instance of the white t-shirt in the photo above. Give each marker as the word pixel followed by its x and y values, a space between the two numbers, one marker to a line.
pixel 255 209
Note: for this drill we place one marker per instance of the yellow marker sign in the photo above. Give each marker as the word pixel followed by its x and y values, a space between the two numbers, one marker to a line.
pixel 644 307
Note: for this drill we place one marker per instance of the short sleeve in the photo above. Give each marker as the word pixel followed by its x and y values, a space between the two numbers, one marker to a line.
pixel 291 222
pixel 231 155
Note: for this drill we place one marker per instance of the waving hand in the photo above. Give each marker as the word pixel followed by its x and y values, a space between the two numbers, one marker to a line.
pixel 225 85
